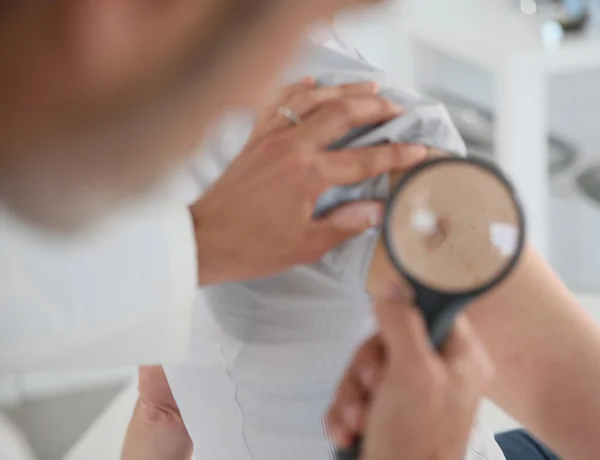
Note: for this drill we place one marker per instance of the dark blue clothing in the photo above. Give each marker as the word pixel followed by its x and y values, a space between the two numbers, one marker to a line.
pixel 520 445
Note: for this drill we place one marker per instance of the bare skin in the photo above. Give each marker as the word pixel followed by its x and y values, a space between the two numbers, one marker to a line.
pixel 156 430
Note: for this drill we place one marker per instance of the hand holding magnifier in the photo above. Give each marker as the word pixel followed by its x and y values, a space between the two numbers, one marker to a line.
pixel 454 229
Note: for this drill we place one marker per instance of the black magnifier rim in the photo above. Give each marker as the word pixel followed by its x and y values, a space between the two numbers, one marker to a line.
pixel 408 177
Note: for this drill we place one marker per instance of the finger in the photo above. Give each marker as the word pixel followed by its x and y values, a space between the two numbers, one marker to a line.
pixel 338 117
pixel 431 153
pixel 346 416
pixel 367 364
pixel 344 222
pixel 357 165
pixel 269 115
pixel 364 371
pixel 466 357
pixel 349 405
pixel 403 330
pixel 303 103
pixel 434 152
pixel 334 425
pixel 282 95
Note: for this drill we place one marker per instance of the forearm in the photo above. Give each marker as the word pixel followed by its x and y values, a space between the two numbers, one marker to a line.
pixel 547 354
pixel 156 433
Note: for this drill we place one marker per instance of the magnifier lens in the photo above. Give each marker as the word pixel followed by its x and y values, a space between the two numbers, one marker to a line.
pixel 454 227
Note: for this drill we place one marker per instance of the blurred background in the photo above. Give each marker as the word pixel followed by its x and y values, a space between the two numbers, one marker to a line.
pixel 521 79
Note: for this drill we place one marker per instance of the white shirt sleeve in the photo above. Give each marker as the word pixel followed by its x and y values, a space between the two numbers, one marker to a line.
pixel 120 294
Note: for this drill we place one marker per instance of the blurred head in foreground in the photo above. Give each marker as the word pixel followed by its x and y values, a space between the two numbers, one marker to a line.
pixel 102 97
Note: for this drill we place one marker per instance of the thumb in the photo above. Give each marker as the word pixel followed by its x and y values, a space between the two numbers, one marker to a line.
pixel 401 327
pixel 349 220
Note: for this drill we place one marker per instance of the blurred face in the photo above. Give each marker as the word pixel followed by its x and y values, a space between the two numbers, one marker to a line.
pixel 102 97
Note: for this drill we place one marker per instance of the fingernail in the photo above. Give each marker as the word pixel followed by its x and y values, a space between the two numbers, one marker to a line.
pixel 359 216
pixel 375 216
pixel 351 416
pixel 339 435
pixel 372 85
pixel 421 150
pixel 373 213
pixel 417 150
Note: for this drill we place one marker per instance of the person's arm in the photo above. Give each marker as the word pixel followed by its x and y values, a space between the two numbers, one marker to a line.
pixel 546 350
pixel 156 430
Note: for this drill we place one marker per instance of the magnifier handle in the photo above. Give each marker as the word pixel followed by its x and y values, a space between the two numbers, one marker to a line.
pixel 440 313
pixel 440 327
pixel 351 453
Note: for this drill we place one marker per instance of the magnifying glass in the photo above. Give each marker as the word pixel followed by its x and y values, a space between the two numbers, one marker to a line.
pixel 454 229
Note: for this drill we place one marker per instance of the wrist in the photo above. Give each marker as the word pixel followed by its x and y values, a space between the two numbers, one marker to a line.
pixel 210 252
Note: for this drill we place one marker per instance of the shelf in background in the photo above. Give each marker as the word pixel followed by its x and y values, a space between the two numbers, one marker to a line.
pixel 503 34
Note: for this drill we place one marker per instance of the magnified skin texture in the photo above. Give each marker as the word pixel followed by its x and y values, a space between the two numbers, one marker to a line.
pixel 446 227
pixel 545 347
